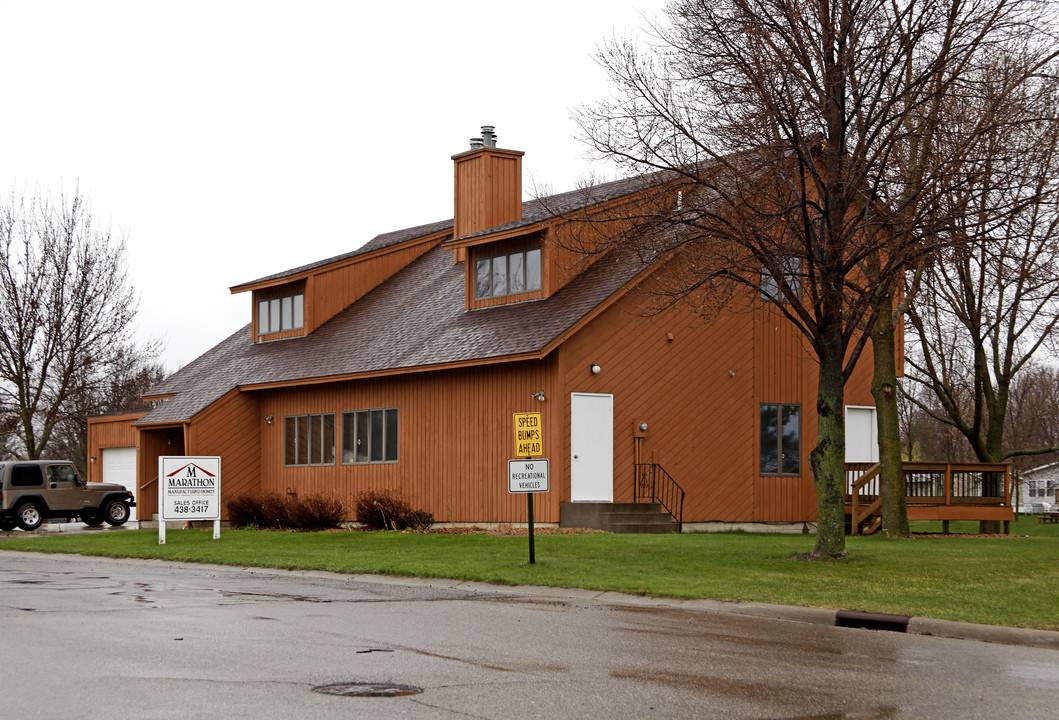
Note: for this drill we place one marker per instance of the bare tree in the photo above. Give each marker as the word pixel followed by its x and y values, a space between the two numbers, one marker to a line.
pixel 66 312
pixel 991 304
pixel 800 166
pixel 121 390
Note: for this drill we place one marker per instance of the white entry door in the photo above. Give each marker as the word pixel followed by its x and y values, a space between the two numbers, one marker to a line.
pixel 591 447
pixel 862 436
pixel 119 466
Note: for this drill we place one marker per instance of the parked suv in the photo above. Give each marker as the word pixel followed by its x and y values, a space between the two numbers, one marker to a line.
pixel 37 490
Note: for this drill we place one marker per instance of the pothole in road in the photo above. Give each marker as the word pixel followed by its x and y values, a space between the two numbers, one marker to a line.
pixel 354 689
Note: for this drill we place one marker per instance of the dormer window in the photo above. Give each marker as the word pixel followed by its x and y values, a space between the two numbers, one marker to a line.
pixel 280 314
pixel 508 274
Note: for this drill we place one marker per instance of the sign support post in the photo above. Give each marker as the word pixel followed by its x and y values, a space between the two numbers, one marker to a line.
pixel 529 513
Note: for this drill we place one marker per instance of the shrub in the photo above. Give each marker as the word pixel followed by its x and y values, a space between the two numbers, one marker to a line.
pixel 385 510
pixel 272 510
pixel 245 510
pixel 316 512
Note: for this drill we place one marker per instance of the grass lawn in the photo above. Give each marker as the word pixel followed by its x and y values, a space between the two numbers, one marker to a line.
pixel 995 580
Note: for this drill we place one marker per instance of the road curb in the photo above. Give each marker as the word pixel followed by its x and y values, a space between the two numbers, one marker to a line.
pixel 1024 637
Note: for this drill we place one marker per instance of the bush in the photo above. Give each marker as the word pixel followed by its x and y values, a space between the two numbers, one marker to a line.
pixel 385 510
pixel 316 512
pixel 272 510
pixel 245 510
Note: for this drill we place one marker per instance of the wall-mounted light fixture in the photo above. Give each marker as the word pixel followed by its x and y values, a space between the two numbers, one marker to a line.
pixel 93 458
pixel 538 396
pixel 643 427
pixel 270 418
pixel 169 441
pixel 594 368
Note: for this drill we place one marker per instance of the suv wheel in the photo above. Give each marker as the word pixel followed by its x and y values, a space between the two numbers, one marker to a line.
pixel 116 512
pixel 91 518
pixel 8 523
pixel 29 516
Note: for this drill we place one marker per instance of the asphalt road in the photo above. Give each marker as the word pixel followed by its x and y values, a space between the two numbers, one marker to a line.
pixel 99 638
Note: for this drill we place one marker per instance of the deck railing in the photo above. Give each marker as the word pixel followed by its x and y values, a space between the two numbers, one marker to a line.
pixel 929 483
pixel 656 485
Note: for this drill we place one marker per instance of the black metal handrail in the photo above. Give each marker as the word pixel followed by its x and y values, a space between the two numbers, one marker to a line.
pixel 655 484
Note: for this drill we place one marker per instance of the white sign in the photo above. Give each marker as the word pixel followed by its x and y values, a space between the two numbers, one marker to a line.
pixel 189 488
pixel 527 476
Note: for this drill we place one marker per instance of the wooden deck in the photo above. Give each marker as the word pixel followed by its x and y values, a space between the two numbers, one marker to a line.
pixel 933 491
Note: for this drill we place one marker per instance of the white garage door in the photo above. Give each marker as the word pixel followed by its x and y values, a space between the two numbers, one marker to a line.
pixel 119 466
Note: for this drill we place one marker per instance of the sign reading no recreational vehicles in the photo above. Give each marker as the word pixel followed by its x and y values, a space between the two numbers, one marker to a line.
pixel 189 488
pixel 529 435
pixel 527 476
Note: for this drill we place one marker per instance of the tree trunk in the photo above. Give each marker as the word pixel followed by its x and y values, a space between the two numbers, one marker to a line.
pixel 827 460
pixel 884 390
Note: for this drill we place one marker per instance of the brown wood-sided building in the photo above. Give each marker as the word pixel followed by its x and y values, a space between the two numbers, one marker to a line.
pixel 399 366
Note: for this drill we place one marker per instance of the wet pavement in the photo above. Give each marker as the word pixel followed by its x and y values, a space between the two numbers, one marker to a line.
pixel 92 637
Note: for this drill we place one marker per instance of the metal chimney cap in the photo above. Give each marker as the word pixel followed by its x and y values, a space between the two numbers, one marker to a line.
pixel 477 143
pixel 488 136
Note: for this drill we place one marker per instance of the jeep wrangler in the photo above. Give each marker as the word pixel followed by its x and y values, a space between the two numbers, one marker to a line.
pixel 33 491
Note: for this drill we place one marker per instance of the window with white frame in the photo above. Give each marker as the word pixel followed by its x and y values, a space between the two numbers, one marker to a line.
pixel 369 436
pixel 781 439
pixel 280 314
pixel 509 274
pixel 309 440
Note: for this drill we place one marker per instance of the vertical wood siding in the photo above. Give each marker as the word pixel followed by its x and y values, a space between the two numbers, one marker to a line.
pixel 700 393
pixel 700 428
pixel 153 445
pixel 455 437
pixel 110 431
pixel 488 189
pixel 332 291
pixel 231 428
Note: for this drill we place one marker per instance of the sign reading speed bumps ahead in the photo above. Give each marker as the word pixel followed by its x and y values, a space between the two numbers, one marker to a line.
pixel 529 434
pixel 527 476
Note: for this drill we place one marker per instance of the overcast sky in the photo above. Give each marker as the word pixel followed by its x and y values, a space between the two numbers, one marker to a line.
pixel 231 140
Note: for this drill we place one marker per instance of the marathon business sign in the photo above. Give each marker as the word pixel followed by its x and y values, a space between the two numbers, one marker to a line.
pixel 189 488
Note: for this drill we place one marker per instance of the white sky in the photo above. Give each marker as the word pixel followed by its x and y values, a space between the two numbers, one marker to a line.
pixel 231 140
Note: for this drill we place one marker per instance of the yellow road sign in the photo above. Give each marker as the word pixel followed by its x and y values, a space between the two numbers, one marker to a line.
pixel 529 435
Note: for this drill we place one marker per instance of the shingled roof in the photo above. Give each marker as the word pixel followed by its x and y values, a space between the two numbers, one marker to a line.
pixel 416 319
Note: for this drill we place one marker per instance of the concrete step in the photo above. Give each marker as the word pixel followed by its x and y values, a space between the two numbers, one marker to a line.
pixel 643 528
pixel 647 518
pixel 616 517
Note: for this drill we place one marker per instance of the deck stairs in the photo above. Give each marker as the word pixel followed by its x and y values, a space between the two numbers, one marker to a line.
pixel 868 526
pixel 620 517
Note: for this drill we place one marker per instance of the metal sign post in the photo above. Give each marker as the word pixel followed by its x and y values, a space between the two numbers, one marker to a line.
pixel 519 473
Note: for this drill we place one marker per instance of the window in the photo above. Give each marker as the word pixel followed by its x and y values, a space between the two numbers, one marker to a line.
pixel 510 274
pixel 792 270
pixel 369 436
pixel 309 440
pixel 62 473
pixel 781 439
pixel 279 314
pixel 26 476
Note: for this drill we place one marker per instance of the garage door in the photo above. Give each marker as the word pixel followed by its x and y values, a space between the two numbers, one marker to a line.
pixel 119 466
